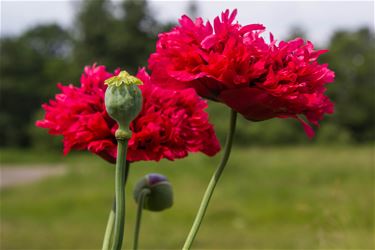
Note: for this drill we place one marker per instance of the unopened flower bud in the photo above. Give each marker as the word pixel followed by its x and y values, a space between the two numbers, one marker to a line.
pixel 123 98
pixel 160 194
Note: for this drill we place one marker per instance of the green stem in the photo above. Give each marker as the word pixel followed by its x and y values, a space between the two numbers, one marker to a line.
pixel 141 199
pixel 111 218
pixel 211 186
pixel 108 230
pixel 120 193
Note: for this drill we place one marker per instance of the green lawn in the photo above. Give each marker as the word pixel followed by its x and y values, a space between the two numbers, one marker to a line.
pixel 268 198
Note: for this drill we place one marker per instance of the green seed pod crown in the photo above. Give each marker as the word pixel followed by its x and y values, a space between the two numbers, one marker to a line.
pixel 160 194
pixel 123 98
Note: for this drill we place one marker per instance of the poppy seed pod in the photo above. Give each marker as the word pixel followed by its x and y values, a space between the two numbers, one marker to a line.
pixel 123 98
pixel 160 194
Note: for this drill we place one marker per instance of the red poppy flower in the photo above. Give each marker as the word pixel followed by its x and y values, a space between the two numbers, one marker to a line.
pixel 170 125
pixel 233 64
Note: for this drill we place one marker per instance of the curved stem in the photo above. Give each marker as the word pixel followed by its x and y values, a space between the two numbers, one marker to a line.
pixel 214 180
pixel 111 218
pixel 137 227
pixel 120 193
pixel 108 230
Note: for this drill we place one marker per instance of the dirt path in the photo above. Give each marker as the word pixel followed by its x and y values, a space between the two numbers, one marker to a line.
pixel 19 175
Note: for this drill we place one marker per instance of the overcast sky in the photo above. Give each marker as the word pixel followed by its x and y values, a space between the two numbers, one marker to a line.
pixel 318 18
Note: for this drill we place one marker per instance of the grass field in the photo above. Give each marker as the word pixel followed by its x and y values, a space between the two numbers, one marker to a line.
pixel 268 198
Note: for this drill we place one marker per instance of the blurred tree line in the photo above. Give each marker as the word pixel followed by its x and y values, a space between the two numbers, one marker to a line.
pixel 123 35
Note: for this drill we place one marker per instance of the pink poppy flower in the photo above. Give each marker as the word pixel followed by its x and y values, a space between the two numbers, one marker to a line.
pixel 233 64
pixel 170 125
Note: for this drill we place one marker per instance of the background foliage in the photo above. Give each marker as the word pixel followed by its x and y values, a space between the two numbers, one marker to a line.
pixel 268 198
pixel 124 35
